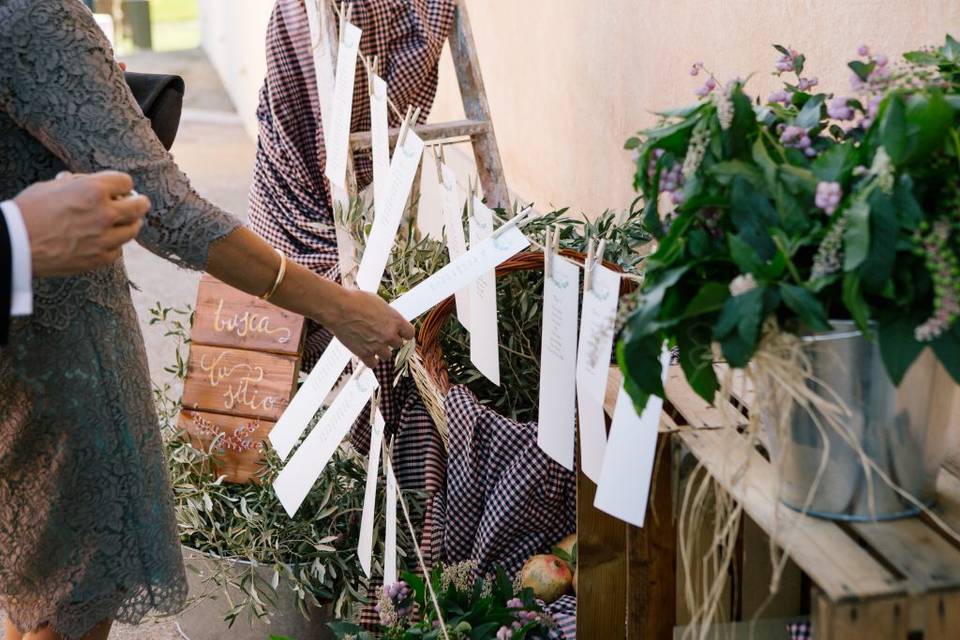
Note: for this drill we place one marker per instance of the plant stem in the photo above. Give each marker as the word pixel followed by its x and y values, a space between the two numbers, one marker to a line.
pixel 790 266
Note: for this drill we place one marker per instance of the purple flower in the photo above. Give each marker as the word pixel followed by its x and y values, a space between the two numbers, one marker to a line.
pixel 504 633
pixel 779 96
pixel 707 87
pixel 881 60
pixel 514 603
pixel 863 50
pixel 695 69
pixel 828 196
pixel 840 109
pixel 805 84
pixel 797 138
pixel 786 62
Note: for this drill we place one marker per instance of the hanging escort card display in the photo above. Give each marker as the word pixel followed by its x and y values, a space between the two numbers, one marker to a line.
pixel 557 418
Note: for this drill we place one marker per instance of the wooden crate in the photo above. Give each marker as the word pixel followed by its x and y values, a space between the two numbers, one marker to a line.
pixel 873 581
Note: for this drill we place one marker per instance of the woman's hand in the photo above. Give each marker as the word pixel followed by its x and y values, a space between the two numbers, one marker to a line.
pixel 369 327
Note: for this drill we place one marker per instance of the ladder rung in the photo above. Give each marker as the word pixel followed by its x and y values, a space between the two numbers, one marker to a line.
pixel 440 130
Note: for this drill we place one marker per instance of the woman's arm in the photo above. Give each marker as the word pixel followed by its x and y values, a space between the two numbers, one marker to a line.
pixel 63 85
pixel 363 322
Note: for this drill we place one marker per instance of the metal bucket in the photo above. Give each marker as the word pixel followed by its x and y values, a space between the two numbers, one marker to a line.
pixel 203 619
pixel 895 426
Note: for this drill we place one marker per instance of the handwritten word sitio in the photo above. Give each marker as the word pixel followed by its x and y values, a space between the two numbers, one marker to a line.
pixel 245 392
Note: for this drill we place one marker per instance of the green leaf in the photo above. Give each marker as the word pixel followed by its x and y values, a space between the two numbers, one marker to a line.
pixel 742 127
pixel 877 267
pixel 835 163
pixel 893 129
pixel 809 116
pixel 643 322
pixel 951 49
pixel 752 213
pixel 947 348
pixel 738 326
pixel 805 305
pixel 763 160
pixel 744 256
pixel 726 171
pixel 639 360
pixel 856 305
pixel 909 212
pixel 694 340
pixel 856 237
pixel 708 299
pixel 922 58
pixel 862 69
pixel 898 347
pixel 928 117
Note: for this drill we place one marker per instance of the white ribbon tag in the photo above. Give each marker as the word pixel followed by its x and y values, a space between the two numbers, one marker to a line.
pixel 293 483
pixel 484 336
pixel 456 242
pixel 593 365
pixel 365 544
pixel 557 419
pixel 337 126
pixel 624 487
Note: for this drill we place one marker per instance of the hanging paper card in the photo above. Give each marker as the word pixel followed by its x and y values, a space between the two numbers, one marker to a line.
pixel 380 142
pixel 309 398
pixel 337 131
pixel 403 169
pixel 390 528
pixel 365 545
pixel 452 204
pixel 293 483
pixel 484 336
pixel 461 272
pixel 557 419
pixel 322 58
pixel 418 300
pixel 593 364
pixel 624 486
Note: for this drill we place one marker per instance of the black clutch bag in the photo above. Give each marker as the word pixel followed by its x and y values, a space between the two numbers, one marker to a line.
pixel 161 99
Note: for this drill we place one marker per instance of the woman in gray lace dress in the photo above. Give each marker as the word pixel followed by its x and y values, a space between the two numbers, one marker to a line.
pixel 87 533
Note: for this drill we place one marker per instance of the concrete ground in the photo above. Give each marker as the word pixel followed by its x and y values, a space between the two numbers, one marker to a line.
pixel 216 153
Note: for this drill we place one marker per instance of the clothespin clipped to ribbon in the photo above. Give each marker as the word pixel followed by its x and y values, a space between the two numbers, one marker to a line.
pixel 551 247
pixel 408 121
pixel 515 221
pixel 595 253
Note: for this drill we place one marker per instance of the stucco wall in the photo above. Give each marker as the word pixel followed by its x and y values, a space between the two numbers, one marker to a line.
pixel 232 34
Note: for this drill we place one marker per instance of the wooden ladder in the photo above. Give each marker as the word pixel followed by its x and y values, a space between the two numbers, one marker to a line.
pixel 477 128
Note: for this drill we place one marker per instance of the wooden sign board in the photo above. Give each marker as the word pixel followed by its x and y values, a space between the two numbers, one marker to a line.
pixel 227 317
pixel 236 444
pixel 248 384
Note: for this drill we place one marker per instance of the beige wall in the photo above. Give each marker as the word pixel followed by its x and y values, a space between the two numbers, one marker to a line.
pixel 570 80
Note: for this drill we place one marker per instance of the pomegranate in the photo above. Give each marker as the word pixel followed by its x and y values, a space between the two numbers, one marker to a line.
pixel 566 545
pixel 547 575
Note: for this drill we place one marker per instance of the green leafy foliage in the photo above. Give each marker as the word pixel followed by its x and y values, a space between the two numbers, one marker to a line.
pixel 783 216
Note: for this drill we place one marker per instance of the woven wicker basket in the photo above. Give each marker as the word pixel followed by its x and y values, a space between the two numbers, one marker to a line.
pixel 427 364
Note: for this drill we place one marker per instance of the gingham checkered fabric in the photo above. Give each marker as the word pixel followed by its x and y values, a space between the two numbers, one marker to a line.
pixel 564 613
pixel 289 200
pixel 800 631
pixel 505 500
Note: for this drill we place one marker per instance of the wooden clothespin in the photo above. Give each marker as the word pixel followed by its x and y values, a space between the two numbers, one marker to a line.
pixel 404 126
pixel 548 253
pixel 588 265
pixel 513 222
pixel 470 193
pixel 437 160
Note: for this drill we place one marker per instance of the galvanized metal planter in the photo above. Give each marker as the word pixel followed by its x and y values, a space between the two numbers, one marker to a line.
pixel 892 424
pixel 203 619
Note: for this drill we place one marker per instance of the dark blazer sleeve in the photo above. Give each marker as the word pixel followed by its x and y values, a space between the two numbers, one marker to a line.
pixel 6 280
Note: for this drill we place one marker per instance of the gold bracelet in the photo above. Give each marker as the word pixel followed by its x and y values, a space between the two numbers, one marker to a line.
pixel 280 275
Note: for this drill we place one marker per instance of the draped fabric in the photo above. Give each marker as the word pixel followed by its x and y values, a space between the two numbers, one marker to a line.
pixel 290 201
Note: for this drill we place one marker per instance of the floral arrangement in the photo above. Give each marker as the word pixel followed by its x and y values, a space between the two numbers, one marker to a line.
pixel 313 554
pixel 800 209
pixel 483 607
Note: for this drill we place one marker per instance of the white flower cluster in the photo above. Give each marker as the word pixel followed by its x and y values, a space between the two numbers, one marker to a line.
pixel 460 575
pixel 883 169
pixel 830 253
pixel 723 101
pixel 742 284
pixel 696 150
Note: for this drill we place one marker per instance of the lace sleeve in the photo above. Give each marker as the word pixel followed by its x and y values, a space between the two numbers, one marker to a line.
pixel 60 82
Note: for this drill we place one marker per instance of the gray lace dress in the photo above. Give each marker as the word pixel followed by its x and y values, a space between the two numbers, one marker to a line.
pixel 87 529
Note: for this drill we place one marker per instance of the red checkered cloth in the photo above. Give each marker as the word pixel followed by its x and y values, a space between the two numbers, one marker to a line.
pixel 800 631
pixel 289 200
